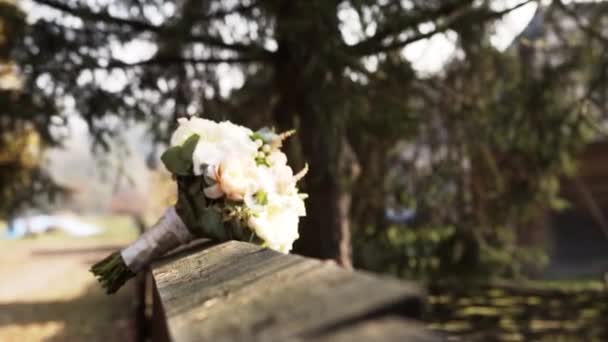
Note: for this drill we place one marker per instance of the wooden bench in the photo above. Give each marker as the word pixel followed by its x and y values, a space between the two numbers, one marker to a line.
pixel 237 291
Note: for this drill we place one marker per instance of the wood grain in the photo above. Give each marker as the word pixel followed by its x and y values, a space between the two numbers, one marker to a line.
pixel 237 291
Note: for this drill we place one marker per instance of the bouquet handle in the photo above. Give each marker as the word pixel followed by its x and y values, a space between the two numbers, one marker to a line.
pixel 167 234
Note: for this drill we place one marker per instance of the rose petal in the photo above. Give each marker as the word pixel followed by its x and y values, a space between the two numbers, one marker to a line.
pixel 213 192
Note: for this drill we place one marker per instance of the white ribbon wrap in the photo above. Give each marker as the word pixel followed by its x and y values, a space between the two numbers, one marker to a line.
pixel 168 233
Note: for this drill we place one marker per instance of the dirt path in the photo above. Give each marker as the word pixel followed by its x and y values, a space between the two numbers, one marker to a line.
pixel 47 293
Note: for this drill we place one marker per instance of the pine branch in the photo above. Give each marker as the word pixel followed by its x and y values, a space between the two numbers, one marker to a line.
pixel 141 26
pixel 462 18
pixel 402 22
pixel 87 14
pixel 222 13
pixel 180 60
pixel 156 61
pixel 588 29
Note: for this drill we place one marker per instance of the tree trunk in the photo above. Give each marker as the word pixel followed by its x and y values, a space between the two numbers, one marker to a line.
pixel 369 196
pixel 325 233
pixel 304 80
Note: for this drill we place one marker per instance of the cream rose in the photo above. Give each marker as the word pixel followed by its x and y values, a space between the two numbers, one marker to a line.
pixel 236 176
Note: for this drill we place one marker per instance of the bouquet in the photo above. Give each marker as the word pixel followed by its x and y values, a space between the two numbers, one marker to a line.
pixel 233 184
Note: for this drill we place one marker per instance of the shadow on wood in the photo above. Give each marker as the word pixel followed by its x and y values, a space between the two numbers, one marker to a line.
pixel 237 291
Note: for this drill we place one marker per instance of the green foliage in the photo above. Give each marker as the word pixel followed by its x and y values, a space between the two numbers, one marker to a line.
pixel 178 159
pixel 405 252
pixel 501 131
pixel 203 219
pixel 23 134
pixel 431 253
pixel 211 219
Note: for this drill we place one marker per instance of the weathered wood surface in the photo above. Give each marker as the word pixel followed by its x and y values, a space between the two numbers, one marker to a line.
pixel 237 291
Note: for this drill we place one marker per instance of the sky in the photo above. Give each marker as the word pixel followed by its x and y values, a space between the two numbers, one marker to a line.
pixel 429 55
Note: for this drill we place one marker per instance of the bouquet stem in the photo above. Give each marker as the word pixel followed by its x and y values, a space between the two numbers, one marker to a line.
pixel 168 233
pixel 112 272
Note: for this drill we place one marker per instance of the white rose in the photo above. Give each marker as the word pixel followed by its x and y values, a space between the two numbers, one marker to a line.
pixel 183 131
pixel 266 179
pixel 236 140
pixel 207 130
pixel 285 183
pixel 230 129
pixel 296 203
pixel 276 221
pixel 205 153
pixel 277 158
pixel 277 227
pixel 236 176
pixel 216 140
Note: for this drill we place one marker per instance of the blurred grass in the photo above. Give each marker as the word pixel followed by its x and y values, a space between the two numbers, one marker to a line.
pixel 48 294
pixel 115 229
pixel 566 284
pixel 565 310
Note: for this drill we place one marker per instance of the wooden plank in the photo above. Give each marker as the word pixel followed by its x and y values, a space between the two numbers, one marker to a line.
pixel 236 291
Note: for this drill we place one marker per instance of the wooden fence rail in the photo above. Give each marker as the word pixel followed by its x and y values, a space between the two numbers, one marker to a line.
pixel 237 291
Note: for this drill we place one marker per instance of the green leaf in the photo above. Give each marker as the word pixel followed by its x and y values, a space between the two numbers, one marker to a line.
pixel 178 159
pixel 262 161
pixel 189 145
pixel 172 158
pixel 265 134
pixel 559 204
pixel 212 224
pixel 261 197
pixel 195 189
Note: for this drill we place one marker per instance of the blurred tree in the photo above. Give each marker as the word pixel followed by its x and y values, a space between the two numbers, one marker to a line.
pixel 296 66
pixel 501 129
pixel 299 64
pixel 21 143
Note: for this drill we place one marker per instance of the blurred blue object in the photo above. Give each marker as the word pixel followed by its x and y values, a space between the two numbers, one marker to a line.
pixel 400 215
pixel 24 226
